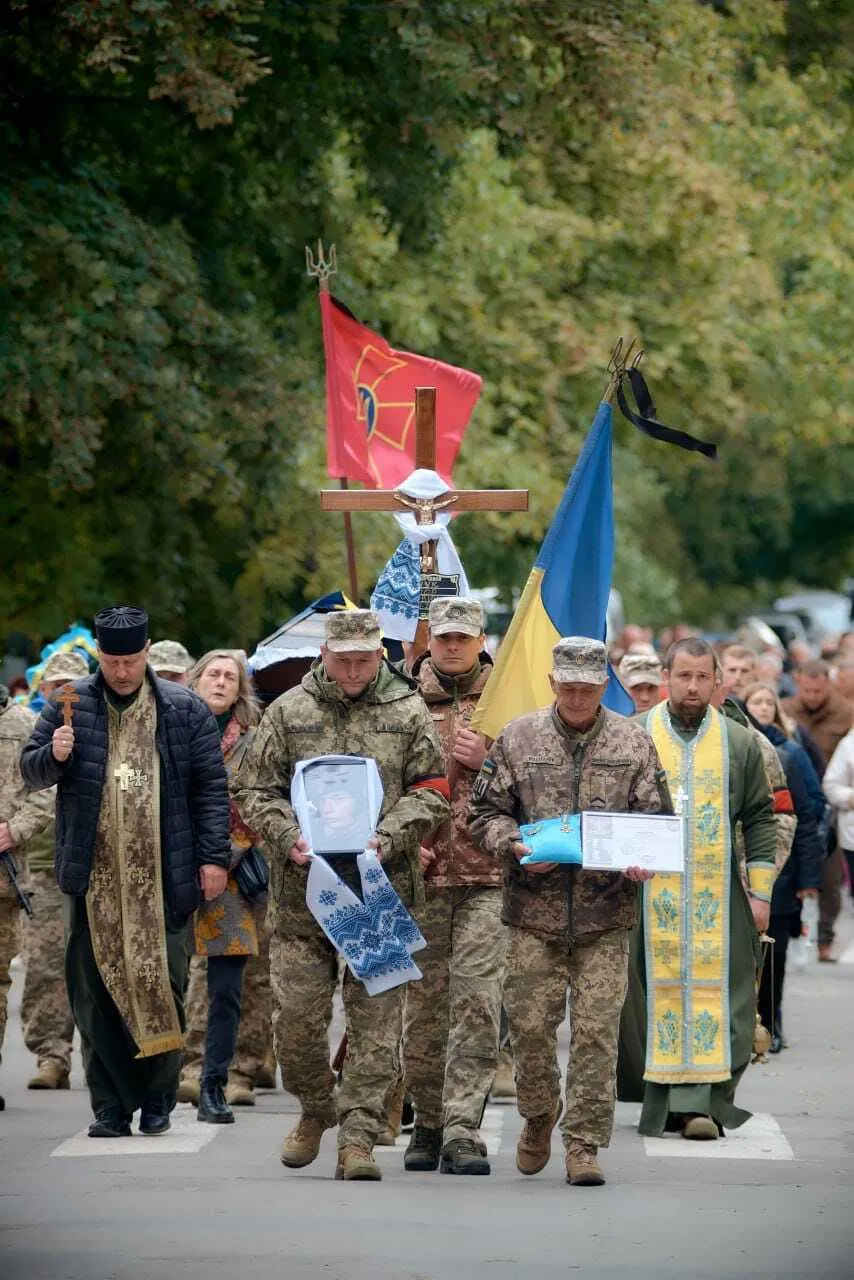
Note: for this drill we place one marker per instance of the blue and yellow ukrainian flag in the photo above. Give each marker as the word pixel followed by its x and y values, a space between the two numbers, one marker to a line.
pixel 566 593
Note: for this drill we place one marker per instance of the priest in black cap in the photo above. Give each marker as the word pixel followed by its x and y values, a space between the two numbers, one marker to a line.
pixel 142 835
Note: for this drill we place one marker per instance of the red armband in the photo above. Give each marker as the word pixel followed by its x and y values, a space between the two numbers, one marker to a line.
pixel 433 782
pixel 783 802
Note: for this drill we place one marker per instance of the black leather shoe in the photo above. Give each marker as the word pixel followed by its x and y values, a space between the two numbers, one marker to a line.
pixel 110 1123
pixel 213 1108
pixel 154 1117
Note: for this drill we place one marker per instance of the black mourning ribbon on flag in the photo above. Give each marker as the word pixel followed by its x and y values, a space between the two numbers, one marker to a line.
pixel 646 421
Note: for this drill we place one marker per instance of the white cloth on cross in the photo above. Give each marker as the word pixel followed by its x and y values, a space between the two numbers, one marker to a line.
pixel 397 596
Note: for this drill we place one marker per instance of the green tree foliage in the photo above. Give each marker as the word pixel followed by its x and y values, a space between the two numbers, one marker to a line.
pixel 510 188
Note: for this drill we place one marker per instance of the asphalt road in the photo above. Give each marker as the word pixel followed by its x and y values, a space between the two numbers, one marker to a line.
pixel 775 1199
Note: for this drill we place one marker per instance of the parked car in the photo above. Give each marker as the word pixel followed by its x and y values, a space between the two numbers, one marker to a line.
pixel 787 627
pixel 821 612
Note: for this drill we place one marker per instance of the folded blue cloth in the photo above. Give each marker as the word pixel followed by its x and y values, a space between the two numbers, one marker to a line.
pixel 553 839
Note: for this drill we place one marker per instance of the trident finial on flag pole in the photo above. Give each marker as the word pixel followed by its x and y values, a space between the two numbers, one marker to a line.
pixel 321 267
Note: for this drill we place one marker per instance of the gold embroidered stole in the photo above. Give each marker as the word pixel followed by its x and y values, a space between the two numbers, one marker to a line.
pixel 686 918
pixel 124 904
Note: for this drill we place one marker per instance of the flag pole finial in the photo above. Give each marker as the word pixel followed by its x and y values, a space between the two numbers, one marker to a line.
pixel 620 360
pixel 321 267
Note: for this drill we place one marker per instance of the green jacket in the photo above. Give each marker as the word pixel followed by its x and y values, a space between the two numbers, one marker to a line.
pixel 389 722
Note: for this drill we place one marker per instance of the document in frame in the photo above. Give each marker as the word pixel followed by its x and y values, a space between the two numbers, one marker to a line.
pixel 615 841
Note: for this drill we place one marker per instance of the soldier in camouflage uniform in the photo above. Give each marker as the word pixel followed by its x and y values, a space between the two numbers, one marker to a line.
pixel 350 702
pixel 169 660
pixel 452 1016
pixel 22 816
pixel 569 929
pixel 45 1011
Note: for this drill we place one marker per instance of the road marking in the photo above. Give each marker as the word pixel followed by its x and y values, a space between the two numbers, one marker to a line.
pixel 847 956
pixel 186 1137
pixel 491 1130
pixel 761 1138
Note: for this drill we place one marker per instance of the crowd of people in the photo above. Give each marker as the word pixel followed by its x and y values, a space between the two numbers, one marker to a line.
pixel 148 810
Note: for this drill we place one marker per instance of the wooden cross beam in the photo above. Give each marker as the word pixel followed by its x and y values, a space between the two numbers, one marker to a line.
pixel 425 509
pixel 66 698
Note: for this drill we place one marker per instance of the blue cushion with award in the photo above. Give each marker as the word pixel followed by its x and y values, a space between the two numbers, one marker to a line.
pixel 553 839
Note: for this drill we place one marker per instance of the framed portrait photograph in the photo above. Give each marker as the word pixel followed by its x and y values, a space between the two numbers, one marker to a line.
pixel 337 800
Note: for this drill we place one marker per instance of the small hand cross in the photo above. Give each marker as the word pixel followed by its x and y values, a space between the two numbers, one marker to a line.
pixel 66 698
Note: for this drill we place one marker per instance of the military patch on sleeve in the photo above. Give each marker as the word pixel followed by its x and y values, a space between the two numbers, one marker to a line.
pixel 483 781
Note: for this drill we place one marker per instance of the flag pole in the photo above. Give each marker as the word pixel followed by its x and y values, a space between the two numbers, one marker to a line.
pixel 321 268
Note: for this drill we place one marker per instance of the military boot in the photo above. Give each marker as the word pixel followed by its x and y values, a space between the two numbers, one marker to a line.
pixel 422 1154
pixel 700 1129
pixel 302 1145
pixel 188 1090
pixel 535 1142
pixel 464 1155
pixel 357 1164
pixel 582 1167
pixel 51 1074
pixel 239 1091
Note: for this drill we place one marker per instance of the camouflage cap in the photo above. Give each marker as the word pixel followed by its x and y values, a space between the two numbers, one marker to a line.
pixel 579 660
pixel 64 666
pixel 456 614
pixel 639 668
pixel 169 655
pixel 352 631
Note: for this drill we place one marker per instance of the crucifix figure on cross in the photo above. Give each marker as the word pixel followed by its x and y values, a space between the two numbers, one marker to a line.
pixel 425 509
pixel 66 698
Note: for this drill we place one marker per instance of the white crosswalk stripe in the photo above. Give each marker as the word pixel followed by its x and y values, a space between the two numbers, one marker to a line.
pixel 186 1137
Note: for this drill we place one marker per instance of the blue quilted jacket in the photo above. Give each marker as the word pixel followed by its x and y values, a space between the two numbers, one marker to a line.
pixel 193 788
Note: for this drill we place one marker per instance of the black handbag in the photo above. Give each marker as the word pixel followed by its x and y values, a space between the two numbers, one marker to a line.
pixel 252 874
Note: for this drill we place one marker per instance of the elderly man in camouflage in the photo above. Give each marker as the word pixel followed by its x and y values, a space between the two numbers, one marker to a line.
pixel 569 928
pixel 351 702
pixel 22 817
pixel 45 1012
pixel 452 1017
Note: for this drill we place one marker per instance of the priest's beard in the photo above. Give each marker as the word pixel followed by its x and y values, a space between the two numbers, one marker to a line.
pixel 690 714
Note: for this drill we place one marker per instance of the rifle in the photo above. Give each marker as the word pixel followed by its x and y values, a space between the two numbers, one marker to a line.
pixel 8 864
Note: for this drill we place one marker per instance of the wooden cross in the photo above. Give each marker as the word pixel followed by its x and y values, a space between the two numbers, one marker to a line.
pixel 425 509
pixel 66 698
pixel 123 776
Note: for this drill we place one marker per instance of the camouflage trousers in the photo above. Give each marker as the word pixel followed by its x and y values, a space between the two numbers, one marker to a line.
pixel 45 1012
pixel 255 1034
pixel 304 973
pixel 539 973
pixel 452 1016
pixel 9 945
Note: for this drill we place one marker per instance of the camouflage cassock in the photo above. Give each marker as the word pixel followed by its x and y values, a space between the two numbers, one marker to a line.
pixel 451 1023
pixel 569 927
pixel 45 1012
pixel 389 722
pixel 26 814
pixel 255 1034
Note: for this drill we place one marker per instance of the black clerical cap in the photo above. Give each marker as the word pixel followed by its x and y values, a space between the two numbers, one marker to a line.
pixel 121 630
